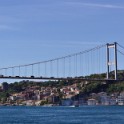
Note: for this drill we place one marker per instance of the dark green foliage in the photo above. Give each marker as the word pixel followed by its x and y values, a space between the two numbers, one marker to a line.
pixel 118 87
pixel 3 96
pixel 92 87
pixel 44 102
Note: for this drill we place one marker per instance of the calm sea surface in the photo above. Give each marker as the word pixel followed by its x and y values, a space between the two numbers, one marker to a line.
pixel 62 115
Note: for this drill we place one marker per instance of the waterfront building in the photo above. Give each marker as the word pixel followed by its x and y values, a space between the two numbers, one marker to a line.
pixel 53 99
pixel 105 100
pixel 67 102
pixel 120 100
pixel 91 102
pixel 113 101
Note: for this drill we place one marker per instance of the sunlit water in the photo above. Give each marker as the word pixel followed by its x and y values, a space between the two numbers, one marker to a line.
pixel 62 115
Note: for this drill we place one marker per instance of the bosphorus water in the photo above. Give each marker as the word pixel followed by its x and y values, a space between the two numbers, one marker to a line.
pixel 62 115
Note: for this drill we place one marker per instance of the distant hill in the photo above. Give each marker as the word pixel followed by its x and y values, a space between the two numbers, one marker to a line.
pixel 85 87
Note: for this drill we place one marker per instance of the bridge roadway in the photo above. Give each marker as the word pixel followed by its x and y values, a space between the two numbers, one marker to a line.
pixel 60 78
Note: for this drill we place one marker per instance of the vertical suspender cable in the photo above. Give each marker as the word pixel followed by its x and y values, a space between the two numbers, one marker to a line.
pixel 19 71
pixel 32 69
pixel 64 66
pixel 51 68
pixel 57 67
pixel 76 64
pixel 13 71
pixel 91 64
pixel 99 62
pixel 6 72
pixel 45 69
pixel 25 71
pixel 69 66
pixel 81 65
pixel 39 69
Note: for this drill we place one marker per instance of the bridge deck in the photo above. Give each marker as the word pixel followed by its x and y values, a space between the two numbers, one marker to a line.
pixel 54 78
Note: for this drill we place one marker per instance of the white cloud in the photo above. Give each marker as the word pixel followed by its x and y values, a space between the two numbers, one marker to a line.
pixel 109 6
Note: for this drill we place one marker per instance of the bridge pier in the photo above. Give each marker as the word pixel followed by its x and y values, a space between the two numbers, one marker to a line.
pixel 114 62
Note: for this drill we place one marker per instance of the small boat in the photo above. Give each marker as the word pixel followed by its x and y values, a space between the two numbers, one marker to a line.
pixel 74 106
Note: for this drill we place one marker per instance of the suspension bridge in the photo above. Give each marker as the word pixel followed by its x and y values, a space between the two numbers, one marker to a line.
pixel 103 59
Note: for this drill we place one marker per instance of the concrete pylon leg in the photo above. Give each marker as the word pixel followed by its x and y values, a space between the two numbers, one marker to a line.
pixel 114 62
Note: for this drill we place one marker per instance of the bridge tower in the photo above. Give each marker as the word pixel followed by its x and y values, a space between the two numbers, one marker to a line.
pixel 111 62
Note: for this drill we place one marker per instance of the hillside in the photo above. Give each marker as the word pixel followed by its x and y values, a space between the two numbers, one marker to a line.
pixel 85 88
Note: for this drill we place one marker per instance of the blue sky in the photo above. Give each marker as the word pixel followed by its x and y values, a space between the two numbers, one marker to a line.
pixel 36 30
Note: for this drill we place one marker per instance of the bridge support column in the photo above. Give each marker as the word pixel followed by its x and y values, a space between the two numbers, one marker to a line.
pixel 110 62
